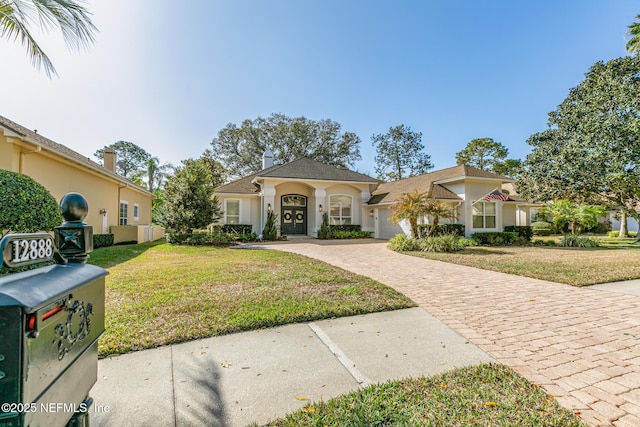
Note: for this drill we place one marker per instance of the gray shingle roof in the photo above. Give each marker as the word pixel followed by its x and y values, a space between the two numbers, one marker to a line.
pixel 60 149
pixel 389 192
pixel 302 168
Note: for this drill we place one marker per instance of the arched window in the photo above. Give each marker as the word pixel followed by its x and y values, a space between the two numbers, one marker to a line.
pixel 340 209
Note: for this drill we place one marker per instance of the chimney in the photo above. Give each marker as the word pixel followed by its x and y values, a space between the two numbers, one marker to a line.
pixel 109 157
pixel 267 159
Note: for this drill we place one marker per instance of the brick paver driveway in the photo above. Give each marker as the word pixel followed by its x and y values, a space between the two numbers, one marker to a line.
pixel 580 345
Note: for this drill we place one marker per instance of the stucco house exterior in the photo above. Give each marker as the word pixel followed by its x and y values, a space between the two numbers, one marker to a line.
pixel 116 205
pixel 300 191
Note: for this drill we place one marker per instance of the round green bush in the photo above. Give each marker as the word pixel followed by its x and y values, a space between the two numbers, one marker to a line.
pixel 26 206
pixel 542 228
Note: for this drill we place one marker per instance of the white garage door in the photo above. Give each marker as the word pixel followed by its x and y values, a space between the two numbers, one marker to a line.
pixel 385 228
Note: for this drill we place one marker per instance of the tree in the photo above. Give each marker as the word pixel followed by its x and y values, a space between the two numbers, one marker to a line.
pixel 218 173
pixel 130 159
pixel 508 167
pixel 578 216
pixel 412 207
pixel 591 151
pixel 482 153
pixel 189 204
pixel 240 149
pixel 27 206
pixel 270 232
pixel 156 173
pixel 17 16
pixel 437 211
pixel 399 154
pixel 633 43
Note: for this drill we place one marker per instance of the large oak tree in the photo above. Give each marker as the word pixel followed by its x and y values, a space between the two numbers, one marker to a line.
pixel 590 152
pixel 240 148
pixel 400 154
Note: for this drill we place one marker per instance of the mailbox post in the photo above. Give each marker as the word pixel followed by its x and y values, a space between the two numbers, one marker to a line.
pixel 50 321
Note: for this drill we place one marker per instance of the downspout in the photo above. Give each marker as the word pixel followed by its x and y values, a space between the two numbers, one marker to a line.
pixel 24 153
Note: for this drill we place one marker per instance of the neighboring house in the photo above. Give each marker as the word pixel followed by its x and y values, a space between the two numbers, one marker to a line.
pixel 300 191
pixel 116 205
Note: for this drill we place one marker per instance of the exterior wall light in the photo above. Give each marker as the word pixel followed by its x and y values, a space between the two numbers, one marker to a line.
pixel 320 208
pixel 269 206
pixel 103 211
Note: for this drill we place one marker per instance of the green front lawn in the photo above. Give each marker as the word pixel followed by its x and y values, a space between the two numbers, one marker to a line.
pixel 486 395
pixel 158 294
pixel 573 266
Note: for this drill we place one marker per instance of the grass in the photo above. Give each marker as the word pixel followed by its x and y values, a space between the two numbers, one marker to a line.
pixel 573 266
pixel 159 294
pixel 485 395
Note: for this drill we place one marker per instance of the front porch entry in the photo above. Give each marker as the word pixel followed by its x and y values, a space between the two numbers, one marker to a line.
pixel 294 215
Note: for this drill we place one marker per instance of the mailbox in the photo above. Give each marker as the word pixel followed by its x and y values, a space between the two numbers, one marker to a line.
pixel 50 321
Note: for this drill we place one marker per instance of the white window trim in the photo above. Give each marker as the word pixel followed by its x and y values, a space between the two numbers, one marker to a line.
pixel 351 207
pixel 136 210
pixel 120 217
pixel 484 215
pixel 239 209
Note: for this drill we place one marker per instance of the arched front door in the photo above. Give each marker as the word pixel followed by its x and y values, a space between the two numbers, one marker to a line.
pixel 294 215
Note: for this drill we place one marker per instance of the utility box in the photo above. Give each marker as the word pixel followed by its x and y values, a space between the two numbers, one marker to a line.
pixel 50 321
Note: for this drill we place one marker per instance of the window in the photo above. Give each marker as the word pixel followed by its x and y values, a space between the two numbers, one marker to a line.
pixel 484 215
pixel 136 208
pixel 340 210
pixel 232 212
pixel 124 213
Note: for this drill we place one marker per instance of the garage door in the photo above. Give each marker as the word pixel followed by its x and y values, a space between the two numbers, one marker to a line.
pixel 385 228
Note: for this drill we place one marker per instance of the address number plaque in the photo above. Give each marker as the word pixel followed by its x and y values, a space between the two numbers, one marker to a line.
pixel 24 249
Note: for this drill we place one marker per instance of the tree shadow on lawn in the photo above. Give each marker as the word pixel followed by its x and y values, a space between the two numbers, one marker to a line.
pixel 110 256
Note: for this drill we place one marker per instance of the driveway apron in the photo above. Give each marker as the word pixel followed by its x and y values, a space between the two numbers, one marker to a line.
pixel 581 345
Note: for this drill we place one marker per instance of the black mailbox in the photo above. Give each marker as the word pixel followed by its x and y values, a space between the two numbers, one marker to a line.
pixel 50 321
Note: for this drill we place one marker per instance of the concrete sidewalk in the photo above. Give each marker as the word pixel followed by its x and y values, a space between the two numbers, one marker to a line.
pixel 262 375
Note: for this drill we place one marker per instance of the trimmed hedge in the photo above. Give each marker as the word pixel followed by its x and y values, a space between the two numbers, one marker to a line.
pixel 616 233
pixel 524 231
pixel 497 238
pixel 198 239
pixel 345 227
pixel 443 229
pixel 542 228
pixel 102 240
pixel 350 234
pixel 237 228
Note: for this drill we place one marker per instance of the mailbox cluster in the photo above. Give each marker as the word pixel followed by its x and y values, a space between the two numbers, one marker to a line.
pixel 50 321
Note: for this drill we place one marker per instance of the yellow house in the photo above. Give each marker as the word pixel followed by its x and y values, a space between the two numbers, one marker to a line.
pixel 116 205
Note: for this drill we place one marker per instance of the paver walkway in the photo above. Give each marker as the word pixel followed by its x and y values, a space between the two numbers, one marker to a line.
pixel 581 345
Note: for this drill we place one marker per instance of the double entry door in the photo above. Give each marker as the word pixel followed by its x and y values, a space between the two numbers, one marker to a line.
pixel 294 215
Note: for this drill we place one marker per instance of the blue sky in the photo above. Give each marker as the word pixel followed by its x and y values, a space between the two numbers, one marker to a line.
pixel 168 76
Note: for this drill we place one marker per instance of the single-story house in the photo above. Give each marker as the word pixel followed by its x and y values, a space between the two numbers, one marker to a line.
pixel 116 205
pixel 300 191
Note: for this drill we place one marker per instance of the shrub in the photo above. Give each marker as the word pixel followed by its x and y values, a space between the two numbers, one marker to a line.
pixel 524 231
pixel 325 230
pixel 270 232
pixel 344 227
pixel 237 228
pixel 542 228
pixel 102 240
pixel 496 238
pixel 238 237
pixel 350 234
pixel 616 233
pixel 403 243
pixel 444 243
pixel 25 205
pixel 442 229
pixel 600 228
pixel 572 241
pixel 198 239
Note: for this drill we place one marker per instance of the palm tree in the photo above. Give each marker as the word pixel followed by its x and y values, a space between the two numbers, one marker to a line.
pixel 633 44
pixel 412 207
pixel 437 211
pixel 156 173
pixel 16 16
